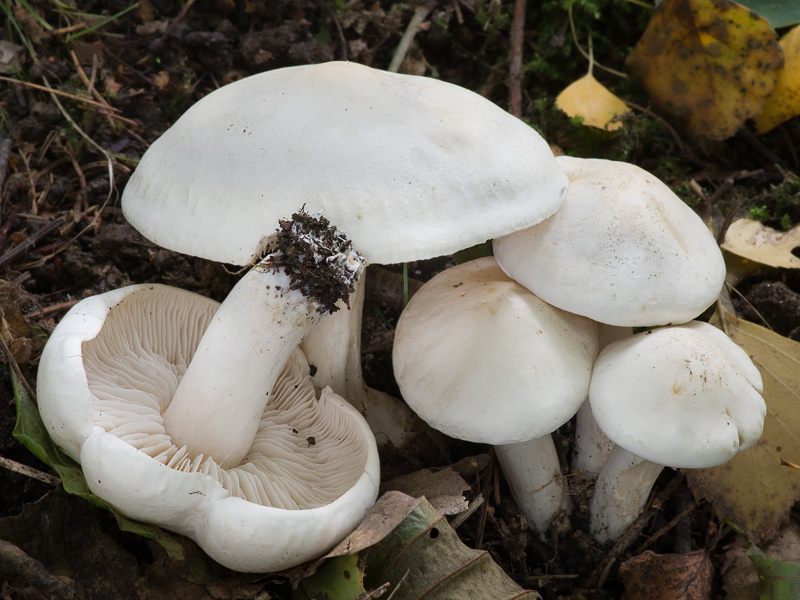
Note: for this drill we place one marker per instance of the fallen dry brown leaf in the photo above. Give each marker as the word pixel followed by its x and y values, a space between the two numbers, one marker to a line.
pixel 754 490
pixel 759 243
pixel 667 576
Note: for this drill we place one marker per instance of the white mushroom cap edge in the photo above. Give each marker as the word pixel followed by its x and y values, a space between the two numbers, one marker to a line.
pixel 146 478
pixel 623 249
pixel 683 397
pixel 482 359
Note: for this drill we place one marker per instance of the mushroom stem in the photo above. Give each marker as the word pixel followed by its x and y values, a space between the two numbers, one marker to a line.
pixel 219 402
pixel 334 348
pixel 533 472
pixel 592 446
pixel 621 493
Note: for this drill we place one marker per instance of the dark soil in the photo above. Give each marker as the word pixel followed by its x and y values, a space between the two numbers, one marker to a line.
pixel 63 238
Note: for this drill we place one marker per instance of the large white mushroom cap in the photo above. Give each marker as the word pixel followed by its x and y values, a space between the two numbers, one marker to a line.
pixel 623 249
pixel 407 167
pixel 482 359
pixel 108 373
pixel 684 397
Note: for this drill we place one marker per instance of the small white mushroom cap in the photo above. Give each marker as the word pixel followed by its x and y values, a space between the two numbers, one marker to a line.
pixel 683 397
pixel 407 167
pixel 623 249
pixel 105 378
pixel 480 358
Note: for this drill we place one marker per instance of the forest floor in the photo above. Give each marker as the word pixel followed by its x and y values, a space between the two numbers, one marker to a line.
pixel 83 96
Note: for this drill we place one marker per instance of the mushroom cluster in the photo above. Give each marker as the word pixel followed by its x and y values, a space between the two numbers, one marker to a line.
pixel 622 251
pixel 223 432
pixel 407 167
pixel 206 419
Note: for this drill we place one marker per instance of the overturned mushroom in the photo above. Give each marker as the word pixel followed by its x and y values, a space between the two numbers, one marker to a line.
pixel 407 167
pixel 252 466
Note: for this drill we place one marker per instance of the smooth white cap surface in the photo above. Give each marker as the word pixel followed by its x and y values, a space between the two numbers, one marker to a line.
pixel 623 250
pixel 108 373
pixel 683 397
pixel 407 167
pixel 480 358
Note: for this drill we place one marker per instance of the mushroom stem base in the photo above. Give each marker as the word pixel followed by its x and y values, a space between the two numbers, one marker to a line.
pixel 621 493
pixel 219 402
pixel 533 472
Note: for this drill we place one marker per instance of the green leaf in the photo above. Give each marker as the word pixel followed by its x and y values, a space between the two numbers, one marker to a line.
pixel 32 433
pixel 339 578
pixel 779 13
pixel 423 557
pixel 777 580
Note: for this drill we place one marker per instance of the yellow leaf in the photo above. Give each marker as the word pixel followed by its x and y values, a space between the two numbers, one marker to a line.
pixel 754 241
pixel 591 100
pixel 754 490
pixel 709 63
pixel 784 103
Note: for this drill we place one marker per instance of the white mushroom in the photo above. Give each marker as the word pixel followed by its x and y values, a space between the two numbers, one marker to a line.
pixel 109 372
pixel 591 445
pixel 482 359
pixel 682 397
pixel 407 167
pixel 623 250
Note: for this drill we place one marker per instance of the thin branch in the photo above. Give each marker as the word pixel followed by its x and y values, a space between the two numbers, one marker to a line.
pixel 515 58
pixel 22 248
pixel 411 31
pixel 55 92
pixel 16 467
pixel 586 55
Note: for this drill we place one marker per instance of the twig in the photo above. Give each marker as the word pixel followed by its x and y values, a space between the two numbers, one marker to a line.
pixel 762 149
pixel 16 561
pixel 408 36
pixel 666 125
pixel 21 249
pixel 484 507
pixel 399 584
pixel 5 157
pixel 732 288
pixel 14 367
pixel 82 196
pixel 53 308
pixel 342 39
pixel 515 58
pixel 587 55
pixel 597 579
pixel 178 18
pixel 43 88
pixel 71 28
pixel 109 163
pixel 16 467
pixel 674 522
